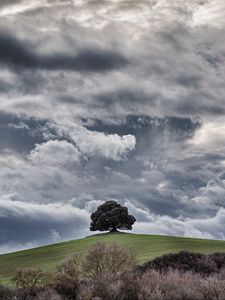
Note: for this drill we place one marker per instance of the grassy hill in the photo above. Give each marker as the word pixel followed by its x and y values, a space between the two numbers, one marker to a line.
pixel 146 247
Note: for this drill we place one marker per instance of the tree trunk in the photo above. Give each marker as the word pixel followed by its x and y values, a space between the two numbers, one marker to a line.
pixel 114 230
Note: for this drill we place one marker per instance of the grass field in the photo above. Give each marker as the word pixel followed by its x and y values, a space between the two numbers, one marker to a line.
pixel 146 247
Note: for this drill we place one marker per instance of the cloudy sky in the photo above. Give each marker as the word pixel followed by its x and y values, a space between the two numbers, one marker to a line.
pixel 111 99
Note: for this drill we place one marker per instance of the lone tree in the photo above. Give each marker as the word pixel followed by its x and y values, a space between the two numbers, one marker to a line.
pixel 111 216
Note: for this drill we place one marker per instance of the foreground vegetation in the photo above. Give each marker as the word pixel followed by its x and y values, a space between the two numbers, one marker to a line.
pixel 145 247
pixel 110 272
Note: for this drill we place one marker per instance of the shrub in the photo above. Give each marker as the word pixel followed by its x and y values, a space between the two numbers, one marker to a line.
pixel 30 283
pixel 175 285
pixel 130 288
pixel 31 278
pixel 170 286
pixel 123 288
pixel 5 293
pixel 219 259
pixel 185 262
pixel 108 261
pixel 45 293
pixel 213 289
pixel 68 278
pixel 48 294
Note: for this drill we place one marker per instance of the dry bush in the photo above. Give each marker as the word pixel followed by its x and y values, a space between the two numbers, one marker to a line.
pixel 154 285
pixel 170 286
pixel 185 262
pixel 130 289
pixel 31 278
pixel 213 288
pixel 123 288
pixel 6 293
pixel 86 292
pixel 111 273
pixel 176 285
pixel 68 278
pixel 31 283
pixel 48 294
pixel 150 283
pixel 79 278
pixel 108 261
pixel 219 259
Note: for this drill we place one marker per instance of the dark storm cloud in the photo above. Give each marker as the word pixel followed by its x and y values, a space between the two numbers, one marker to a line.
pixel 194 107
pixel 19 133
pixel 15 53
pixel 125 98
pixel 5 87
pixel 142 125
pixel 22 223
pixel 189 80
pixel 4 3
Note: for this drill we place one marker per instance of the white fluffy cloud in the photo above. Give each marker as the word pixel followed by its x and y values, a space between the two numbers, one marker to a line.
pixel 210 136
pixel 211 13
pixel 109 146
pixel 93 143
pixel 54 153
pixel 209 228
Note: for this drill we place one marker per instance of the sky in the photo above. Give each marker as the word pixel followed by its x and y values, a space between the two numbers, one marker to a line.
pixel 111 100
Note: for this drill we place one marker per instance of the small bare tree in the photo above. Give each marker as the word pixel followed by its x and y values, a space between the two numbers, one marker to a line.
pixel 108 261
pixel 69 276
pixel 30 278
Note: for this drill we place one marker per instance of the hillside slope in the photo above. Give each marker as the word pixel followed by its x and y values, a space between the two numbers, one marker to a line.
pixel 146 247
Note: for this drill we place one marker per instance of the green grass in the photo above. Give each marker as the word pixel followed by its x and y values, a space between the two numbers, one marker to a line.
pixel 146 247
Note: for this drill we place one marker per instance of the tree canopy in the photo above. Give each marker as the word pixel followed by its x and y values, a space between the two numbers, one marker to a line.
pixel 111 216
